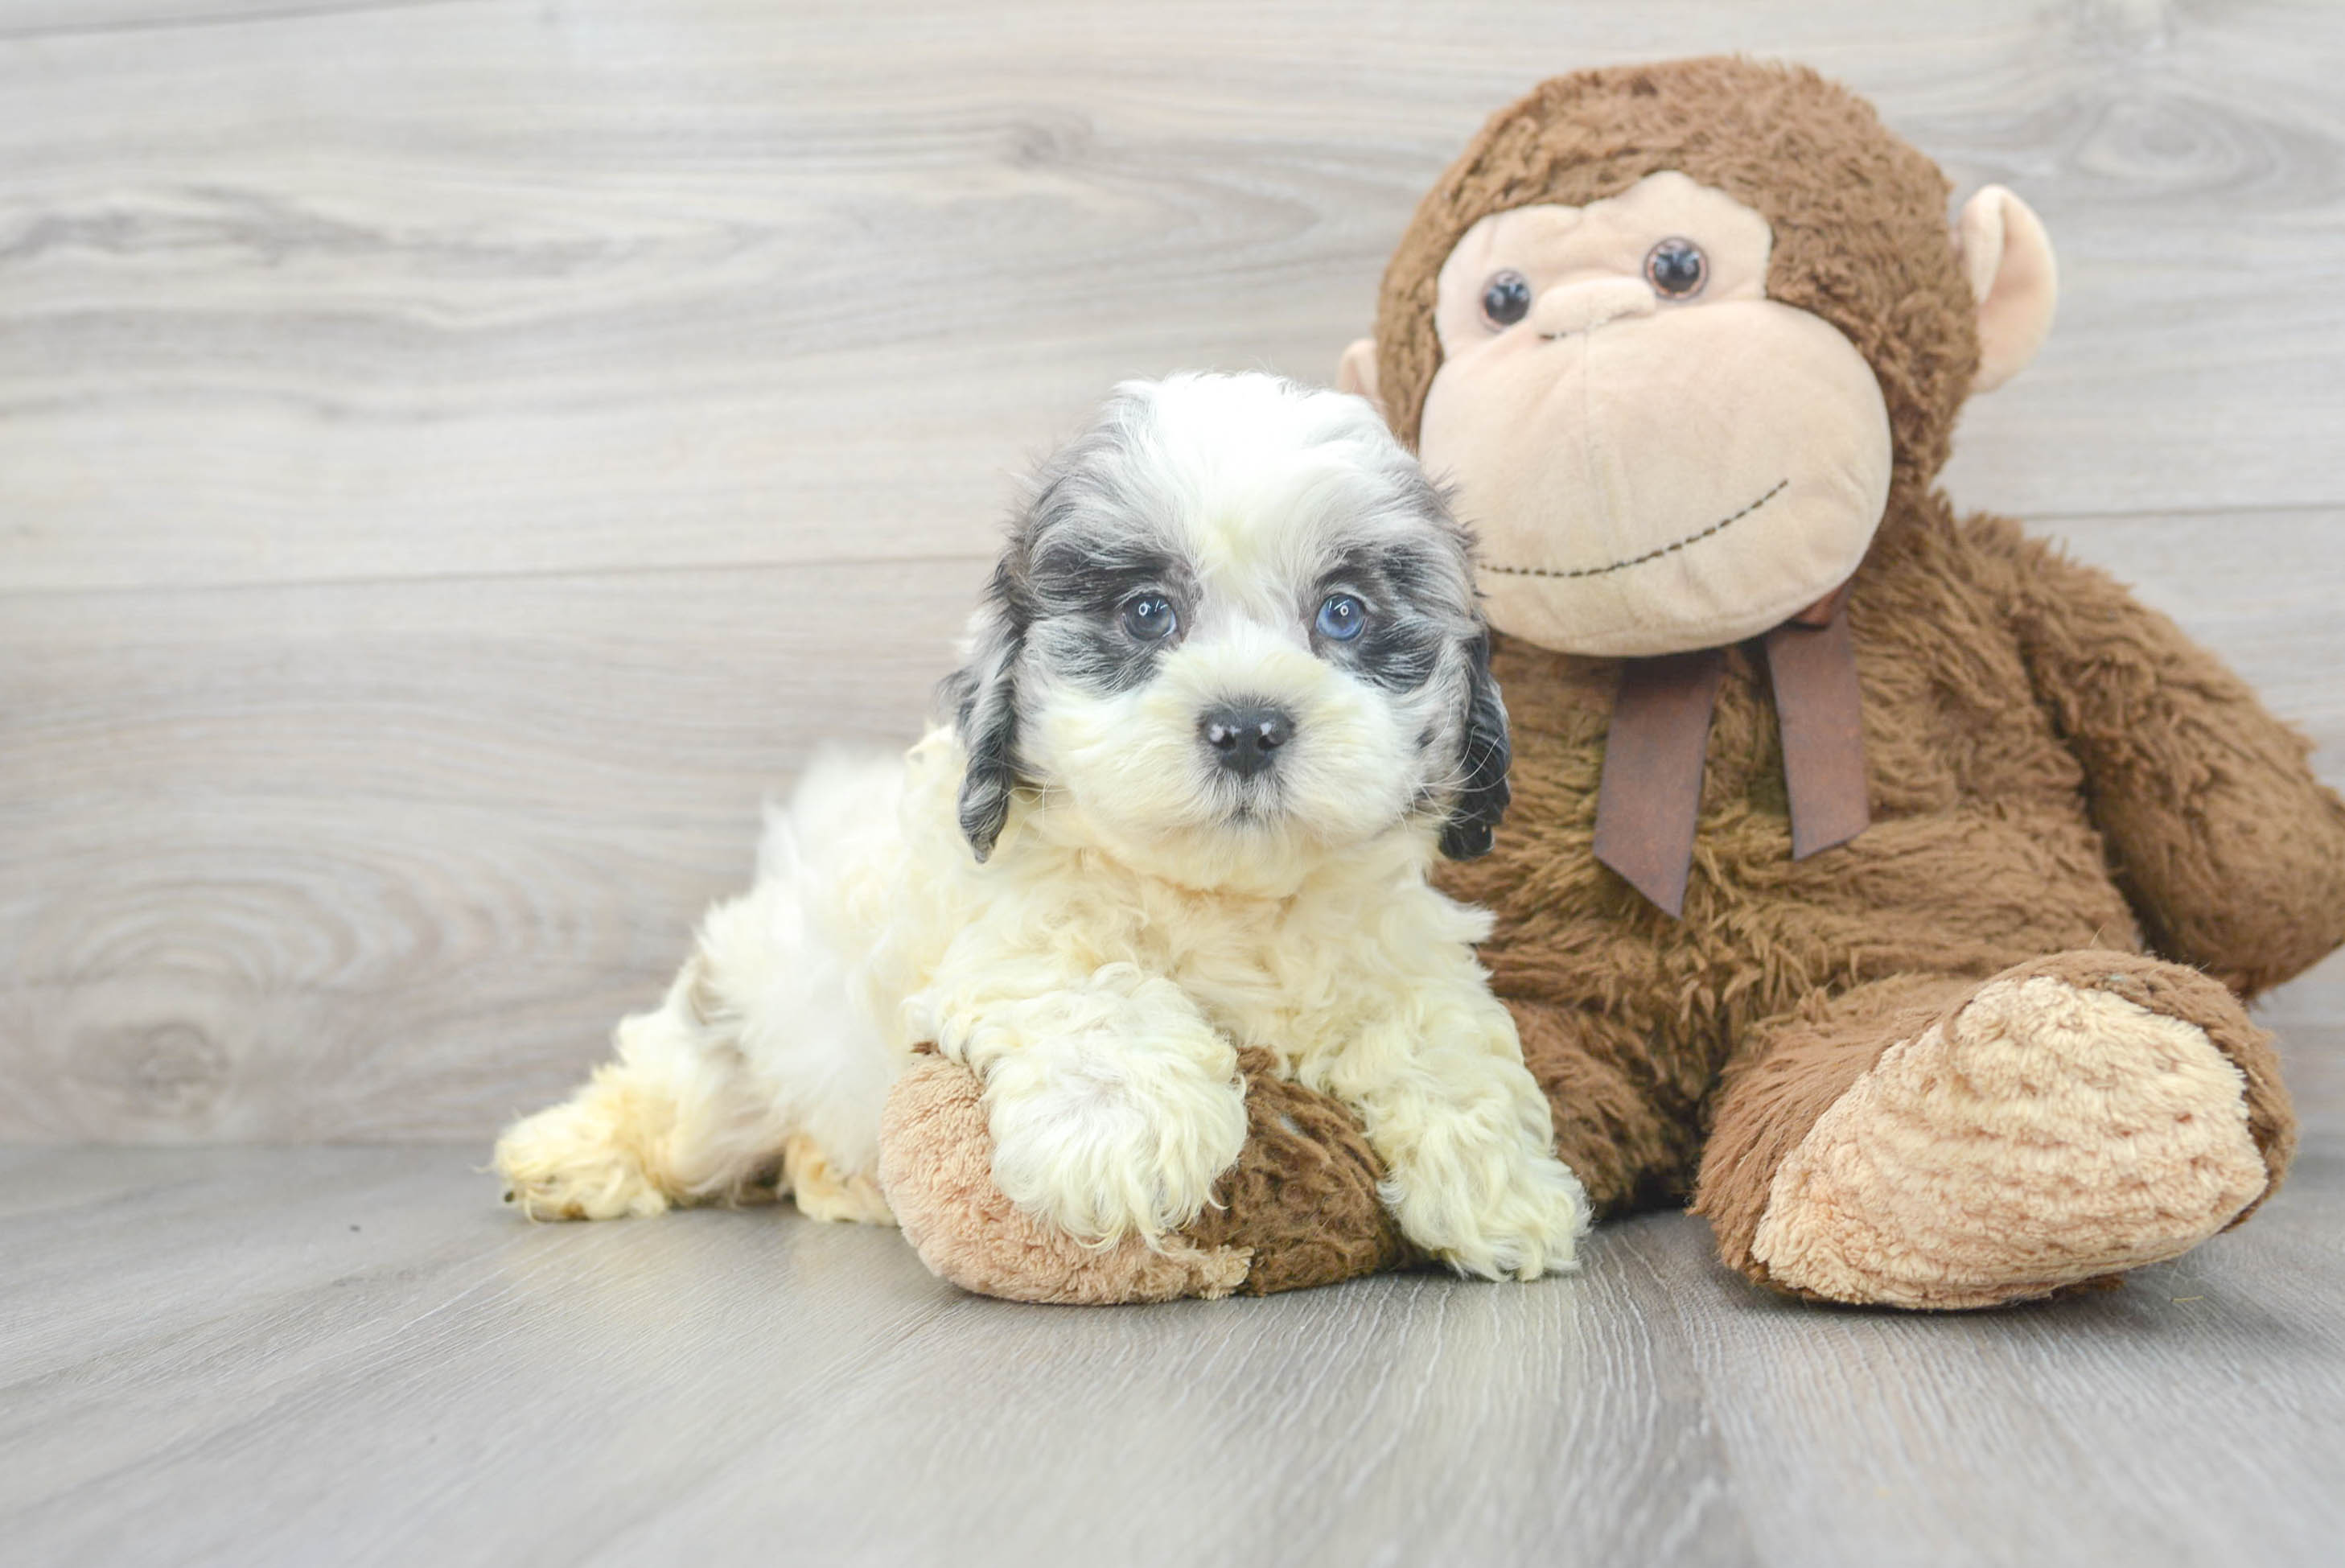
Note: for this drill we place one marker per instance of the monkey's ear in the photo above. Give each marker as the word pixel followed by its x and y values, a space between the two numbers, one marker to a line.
pixel 1355 372
pixel 982 696
pixel 1483 757
pixel 2013 277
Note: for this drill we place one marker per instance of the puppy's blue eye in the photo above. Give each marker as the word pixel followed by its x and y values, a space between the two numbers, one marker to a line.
pixel 1341 617
pixel 1151 617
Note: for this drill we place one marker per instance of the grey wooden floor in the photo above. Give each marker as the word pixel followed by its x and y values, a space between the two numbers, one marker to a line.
pixel 457 455
pixel 350 1355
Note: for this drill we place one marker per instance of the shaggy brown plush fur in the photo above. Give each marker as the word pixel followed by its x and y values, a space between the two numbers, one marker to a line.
pixel 2060 782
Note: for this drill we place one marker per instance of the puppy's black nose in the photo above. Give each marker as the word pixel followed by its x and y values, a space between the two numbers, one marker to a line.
pixel 1244 735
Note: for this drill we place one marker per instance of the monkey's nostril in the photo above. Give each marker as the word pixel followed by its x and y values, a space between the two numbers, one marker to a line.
pixel 1244 735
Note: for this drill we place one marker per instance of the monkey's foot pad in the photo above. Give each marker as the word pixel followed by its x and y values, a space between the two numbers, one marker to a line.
pixel 2046 1133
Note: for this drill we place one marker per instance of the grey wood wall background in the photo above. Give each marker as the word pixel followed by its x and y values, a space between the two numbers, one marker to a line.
pixel 456 457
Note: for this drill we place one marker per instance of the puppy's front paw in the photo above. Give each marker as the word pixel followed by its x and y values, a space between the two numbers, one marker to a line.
pixel 1501 1215
pixel 1106 1142
pixel 572 1162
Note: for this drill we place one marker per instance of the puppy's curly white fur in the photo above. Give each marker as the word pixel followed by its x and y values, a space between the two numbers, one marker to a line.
pixel 1226 698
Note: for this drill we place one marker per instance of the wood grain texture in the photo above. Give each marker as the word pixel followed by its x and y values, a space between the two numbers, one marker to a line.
pixel 354 1356
pixel 360 862
pixel 456 458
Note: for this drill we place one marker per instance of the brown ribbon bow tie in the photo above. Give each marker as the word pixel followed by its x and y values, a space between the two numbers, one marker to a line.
pixel 1650 795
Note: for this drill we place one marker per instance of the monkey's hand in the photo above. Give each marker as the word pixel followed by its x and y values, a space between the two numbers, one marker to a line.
pixel 1114 1105
pixel 2230 850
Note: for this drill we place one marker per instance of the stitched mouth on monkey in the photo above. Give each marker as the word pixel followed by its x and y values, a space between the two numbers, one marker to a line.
pixel 1654 555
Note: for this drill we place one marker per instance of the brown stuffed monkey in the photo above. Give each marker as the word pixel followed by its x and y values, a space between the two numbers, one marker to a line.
pixel 1882 880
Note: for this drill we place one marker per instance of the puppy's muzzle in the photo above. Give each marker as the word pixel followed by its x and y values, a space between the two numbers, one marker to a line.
pixel 1245 738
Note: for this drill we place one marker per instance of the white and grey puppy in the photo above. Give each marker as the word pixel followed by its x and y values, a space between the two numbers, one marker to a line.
pixel 1226 698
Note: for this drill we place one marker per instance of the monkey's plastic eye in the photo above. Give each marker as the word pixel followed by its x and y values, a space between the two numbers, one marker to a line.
pixel 1151 617
pixel 1341 617
pixel 1506 298
pixel 1675 269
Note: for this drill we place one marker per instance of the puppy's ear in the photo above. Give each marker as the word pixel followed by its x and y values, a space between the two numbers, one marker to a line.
pixel 983 697
pixel 1482 762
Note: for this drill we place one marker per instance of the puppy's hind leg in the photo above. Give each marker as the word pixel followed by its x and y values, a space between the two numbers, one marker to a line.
pixel 822 1190
pixel 766 1058
pixel 676 1119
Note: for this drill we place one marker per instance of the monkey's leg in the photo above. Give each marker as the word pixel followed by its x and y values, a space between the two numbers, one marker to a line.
pixel 1625 1112
pixel 1299 1208
pixel 1935 1142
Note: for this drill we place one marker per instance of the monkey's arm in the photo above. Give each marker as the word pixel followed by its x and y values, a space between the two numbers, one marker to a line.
pixel 2230 850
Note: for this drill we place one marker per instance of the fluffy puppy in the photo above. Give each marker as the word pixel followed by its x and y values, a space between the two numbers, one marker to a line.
pixel 1226 698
